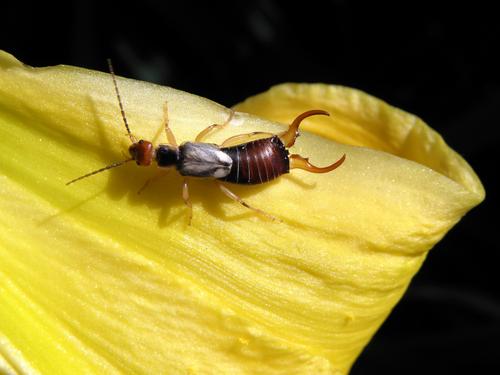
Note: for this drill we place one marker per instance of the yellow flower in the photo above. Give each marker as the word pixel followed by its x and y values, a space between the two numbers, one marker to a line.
pixel 95 278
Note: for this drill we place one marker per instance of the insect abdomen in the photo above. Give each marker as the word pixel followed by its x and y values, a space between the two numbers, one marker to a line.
pixel 258 161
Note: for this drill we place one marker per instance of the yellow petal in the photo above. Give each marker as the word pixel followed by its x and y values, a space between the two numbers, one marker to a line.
pixel 363 120
pixel 98 279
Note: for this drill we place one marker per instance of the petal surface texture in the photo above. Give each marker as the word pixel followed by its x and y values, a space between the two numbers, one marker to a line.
pixel 95 278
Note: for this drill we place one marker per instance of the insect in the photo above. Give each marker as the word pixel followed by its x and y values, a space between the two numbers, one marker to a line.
pixel 241 159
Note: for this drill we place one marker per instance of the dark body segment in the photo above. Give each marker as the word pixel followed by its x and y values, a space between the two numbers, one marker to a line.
pixel 257 162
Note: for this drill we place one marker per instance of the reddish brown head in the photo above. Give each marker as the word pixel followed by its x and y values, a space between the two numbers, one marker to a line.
pixel 142 152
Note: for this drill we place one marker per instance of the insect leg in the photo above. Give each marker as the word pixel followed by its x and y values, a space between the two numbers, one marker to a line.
pixel 207 130
pixel 161 174
pixel 234 197
pixel 185 196
pixel 297 161
pixel 168 131
pixel 242 138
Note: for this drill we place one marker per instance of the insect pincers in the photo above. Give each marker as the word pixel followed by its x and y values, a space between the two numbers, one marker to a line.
pixel 245 159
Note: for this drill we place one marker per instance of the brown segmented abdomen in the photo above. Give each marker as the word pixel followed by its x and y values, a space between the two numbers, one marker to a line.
pixel 257 162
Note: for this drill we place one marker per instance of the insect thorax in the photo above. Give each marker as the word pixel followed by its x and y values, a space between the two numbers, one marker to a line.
pixel 203 160
pixel 166 155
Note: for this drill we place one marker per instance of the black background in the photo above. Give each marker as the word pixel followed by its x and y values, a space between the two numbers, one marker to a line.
pixel 437 61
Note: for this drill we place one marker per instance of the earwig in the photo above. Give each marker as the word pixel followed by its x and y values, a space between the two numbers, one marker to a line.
pixel 238 160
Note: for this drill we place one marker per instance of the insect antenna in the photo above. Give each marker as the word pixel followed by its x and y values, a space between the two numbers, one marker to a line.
pixel 114 165
pixel 111 70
